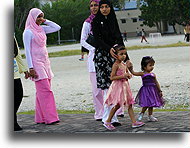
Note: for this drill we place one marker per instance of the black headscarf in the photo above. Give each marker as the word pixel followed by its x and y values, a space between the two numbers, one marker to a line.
pixel 110 31
pixel 111 16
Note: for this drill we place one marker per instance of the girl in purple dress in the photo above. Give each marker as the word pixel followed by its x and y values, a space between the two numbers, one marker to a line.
pixel 150 94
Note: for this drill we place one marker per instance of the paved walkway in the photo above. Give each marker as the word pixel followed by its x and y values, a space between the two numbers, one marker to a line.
pixel 172 122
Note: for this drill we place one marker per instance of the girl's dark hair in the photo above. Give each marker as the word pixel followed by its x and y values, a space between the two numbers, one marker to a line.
pixel 145 61
pixel 118 48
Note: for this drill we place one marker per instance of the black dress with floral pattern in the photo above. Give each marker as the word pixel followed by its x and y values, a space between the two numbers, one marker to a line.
pixel 106 33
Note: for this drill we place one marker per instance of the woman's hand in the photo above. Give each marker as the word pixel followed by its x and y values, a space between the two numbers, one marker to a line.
pixel 33 73
pixel 43 20
pixel 112 52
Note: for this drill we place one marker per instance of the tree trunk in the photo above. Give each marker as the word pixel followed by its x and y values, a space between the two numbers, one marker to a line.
pixel 157 27
pixel 174 28
pixel 160 23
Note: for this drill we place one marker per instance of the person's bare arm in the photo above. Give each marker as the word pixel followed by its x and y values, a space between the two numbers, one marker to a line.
pixel 113 73
pixel 130 67
pixel 158 86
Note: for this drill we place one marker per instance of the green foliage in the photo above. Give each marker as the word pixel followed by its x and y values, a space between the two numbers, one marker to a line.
pixel 21 10
pixel 70 15
pixel 171 11
pixel 118 3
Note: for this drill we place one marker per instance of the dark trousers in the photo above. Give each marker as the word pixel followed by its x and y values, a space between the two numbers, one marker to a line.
pixel 187 37
pixel 18 95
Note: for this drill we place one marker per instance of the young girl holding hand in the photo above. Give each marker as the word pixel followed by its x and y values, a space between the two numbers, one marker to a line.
pixel 119 93
pixel 150 94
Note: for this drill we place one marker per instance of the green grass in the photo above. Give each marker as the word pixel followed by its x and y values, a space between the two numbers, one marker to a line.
pixel 31 112
pixel 92 111
pixel 179 44
pixel 65 53
pixel 78 52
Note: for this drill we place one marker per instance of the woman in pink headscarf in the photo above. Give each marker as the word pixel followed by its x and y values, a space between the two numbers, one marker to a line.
pixel 86 30
pixel 34 38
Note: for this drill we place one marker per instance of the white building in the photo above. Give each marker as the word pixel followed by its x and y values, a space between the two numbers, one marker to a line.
pixel 129 20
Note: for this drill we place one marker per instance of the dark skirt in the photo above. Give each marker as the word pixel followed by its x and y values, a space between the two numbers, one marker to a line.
pixel 187 37
pixel 103 65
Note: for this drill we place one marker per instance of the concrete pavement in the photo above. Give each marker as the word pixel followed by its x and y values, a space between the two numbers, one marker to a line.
pixel 169 122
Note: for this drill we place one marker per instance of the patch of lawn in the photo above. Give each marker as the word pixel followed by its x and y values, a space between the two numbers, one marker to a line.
pixel 92 111
pixel 78 52
pixel 179 44
pixel 65 53
pixel 31 112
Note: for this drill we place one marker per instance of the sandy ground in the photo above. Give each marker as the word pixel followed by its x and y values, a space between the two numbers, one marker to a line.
pixel 72 88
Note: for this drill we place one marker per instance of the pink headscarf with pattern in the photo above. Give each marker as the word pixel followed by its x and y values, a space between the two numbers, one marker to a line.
pixel 90 18
pixel 37 30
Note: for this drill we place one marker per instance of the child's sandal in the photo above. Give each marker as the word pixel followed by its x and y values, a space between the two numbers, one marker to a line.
pixel 108 125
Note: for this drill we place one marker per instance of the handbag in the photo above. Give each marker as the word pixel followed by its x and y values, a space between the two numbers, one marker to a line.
pixel 90 40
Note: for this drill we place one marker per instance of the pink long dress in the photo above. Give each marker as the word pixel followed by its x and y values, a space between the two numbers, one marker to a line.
pixel 119 91
pixel 45 111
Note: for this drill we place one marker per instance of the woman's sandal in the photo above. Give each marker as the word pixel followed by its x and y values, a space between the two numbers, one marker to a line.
pixel 108 125
pixel 53 123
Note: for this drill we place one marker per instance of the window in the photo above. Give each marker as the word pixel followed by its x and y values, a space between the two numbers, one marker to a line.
pixel 134 20
pixel 140 19
pixel 123 21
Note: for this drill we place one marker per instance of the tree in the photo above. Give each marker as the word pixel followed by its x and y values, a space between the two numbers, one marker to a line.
pixel 170 11
pixel 70 15
pixel 118 3
pixel 21 10
pixel 151 13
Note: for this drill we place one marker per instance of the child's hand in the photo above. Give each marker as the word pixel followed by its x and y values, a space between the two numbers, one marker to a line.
pixel 26 74
pixel 161 93
pixel 130 76
pixel 127 76
pixel 129 65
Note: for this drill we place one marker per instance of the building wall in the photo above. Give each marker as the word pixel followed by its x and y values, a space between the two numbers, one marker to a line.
pixel 132 22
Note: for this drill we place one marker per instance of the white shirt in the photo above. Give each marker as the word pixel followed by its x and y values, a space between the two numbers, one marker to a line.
pixel 28 36
pixel 142 33
pixel 86 29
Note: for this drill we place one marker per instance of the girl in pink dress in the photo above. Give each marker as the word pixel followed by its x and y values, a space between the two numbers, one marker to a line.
pixel 119 93
pixel 34 38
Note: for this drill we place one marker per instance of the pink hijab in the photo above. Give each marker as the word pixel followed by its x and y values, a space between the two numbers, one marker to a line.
pixel 37 30
pixel 92 16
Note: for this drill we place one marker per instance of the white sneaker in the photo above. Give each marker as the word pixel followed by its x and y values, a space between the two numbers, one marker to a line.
pixel 140 116
pixel 151 118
